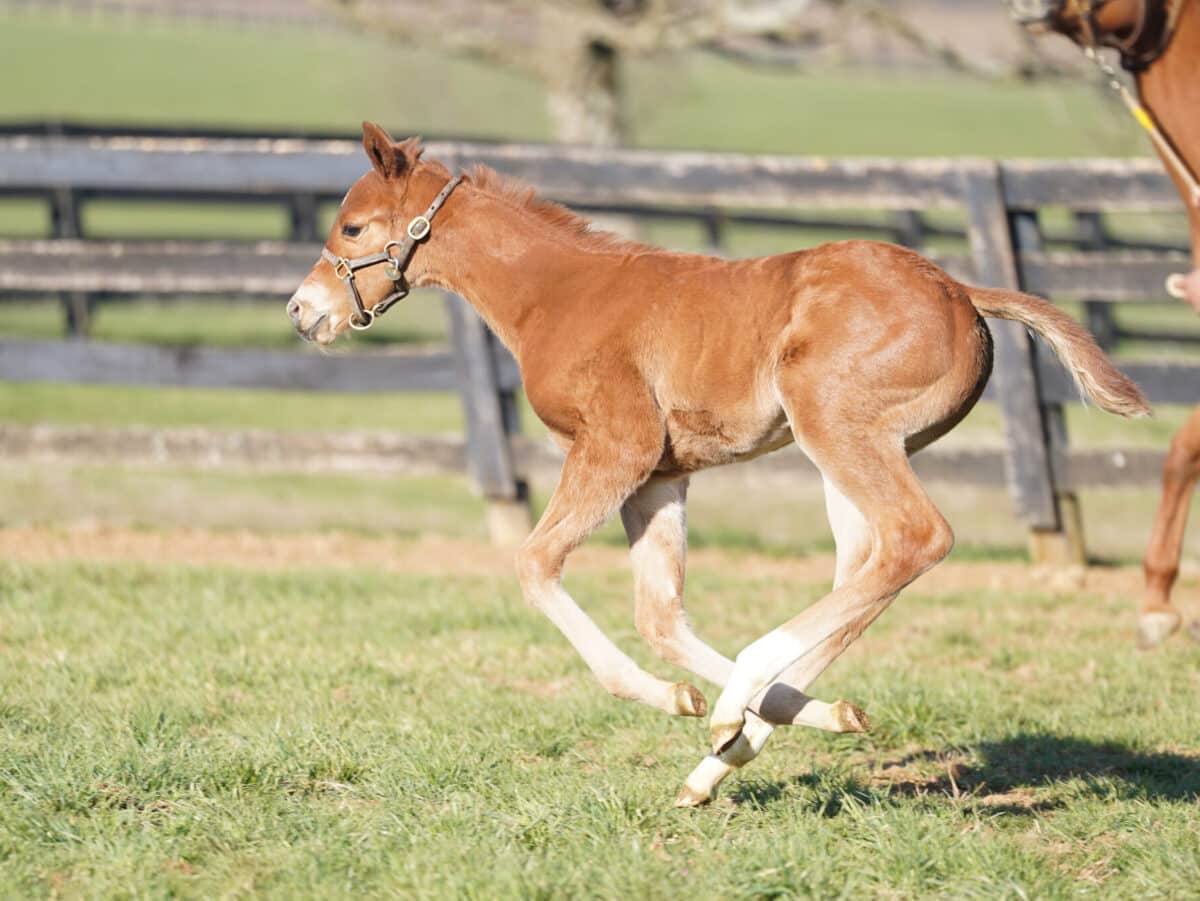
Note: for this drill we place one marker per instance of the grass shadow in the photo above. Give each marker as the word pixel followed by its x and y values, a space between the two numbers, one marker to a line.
pixel 1016 775
pixel 1021 764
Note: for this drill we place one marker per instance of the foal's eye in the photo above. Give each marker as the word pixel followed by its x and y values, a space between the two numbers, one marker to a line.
pixel 351 231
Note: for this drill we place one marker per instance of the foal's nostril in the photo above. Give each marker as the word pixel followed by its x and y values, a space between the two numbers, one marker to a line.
pixel 293 310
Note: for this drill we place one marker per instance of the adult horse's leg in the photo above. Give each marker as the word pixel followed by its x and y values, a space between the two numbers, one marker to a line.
pixel 1158 618
pixel 656 524
pixel 784 701
pixel 908 536
pixel 597 475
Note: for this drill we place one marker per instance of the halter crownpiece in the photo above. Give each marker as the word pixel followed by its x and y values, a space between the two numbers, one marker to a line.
pixel 418 230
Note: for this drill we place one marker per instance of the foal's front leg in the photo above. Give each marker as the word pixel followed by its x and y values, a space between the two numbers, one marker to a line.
pixel 596 478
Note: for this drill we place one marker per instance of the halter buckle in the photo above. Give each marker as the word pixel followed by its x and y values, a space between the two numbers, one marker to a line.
pixel 419 228
pixel 342 269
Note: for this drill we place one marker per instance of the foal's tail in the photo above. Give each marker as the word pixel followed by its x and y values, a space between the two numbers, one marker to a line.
pixel 1095 375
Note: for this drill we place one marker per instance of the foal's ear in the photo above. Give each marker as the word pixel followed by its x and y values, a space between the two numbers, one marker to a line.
pixel 389 158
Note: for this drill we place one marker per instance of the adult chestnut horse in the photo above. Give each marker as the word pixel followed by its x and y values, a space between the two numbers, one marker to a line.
pixel 1159 42
pixel 647 366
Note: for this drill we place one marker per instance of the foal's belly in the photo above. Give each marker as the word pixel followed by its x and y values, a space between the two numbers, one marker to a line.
pixel 699 439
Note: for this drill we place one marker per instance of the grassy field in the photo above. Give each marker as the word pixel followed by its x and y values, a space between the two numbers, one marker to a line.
pixel 278 685
pixel 204 732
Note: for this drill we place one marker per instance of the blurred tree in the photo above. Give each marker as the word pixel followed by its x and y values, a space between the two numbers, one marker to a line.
pixel 575 48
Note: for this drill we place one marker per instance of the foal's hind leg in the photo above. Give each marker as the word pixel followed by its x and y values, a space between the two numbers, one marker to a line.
pixel 656 524
pixel 784 701
pixel 655 521
pixel 597 476
pixel 908 535
pixel 1158 618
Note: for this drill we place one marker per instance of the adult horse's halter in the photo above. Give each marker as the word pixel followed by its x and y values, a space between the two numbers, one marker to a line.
pixel 1033 12
pixel 1135 54
pixel 397 262
pixel 1142 46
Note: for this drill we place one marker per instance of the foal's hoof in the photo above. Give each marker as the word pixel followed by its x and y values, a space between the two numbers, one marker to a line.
pixel 689 797
pixel 1155 628
pixel 850 717
pixel 689 701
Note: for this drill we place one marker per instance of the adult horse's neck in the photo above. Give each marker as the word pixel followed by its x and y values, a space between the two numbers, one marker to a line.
pixel 1170 89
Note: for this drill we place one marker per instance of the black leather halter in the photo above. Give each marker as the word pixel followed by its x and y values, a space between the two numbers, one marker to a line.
pixel 396 254
pixel 1149 38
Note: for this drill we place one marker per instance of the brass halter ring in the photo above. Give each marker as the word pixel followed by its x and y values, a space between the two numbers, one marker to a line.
pixel 368 319
pixel 395 256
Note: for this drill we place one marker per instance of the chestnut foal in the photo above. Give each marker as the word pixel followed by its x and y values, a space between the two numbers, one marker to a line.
pixel 648 366
pixel 1159 41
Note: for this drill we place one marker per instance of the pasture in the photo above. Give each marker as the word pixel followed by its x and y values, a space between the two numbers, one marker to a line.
pixel 395 722
pixel 227 683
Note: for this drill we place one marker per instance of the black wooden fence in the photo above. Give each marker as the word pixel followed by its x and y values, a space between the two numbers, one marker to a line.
pixel 69 166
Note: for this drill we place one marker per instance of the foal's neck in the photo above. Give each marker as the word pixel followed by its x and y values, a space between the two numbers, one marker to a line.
pixel 503 259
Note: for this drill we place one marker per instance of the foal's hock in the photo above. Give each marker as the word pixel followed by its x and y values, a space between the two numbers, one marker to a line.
pixel 647 366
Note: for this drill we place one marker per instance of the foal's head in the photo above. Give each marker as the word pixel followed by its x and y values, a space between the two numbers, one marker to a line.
pixel 373 219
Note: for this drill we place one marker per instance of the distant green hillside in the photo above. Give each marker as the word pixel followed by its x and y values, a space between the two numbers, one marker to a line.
pixel 268 77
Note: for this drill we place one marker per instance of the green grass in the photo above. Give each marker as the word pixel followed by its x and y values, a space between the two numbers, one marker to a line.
pixel 167 72
pixel 740 508
pixel 698 102
pixel 117 405
pixel 211 732
pixel 229 499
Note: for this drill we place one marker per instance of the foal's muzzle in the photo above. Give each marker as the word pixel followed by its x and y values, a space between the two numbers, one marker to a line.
pixel 1033 12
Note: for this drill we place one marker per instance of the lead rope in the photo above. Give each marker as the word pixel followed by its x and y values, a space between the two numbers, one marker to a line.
pixel 1143 117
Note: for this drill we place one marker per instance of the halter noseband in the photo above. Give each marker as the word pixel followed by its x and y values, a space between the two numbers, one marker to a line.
pixel 397 262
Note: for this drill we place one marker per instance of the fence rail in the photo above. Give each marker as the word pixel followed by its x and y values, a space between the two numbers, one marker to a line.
pixel 1005 246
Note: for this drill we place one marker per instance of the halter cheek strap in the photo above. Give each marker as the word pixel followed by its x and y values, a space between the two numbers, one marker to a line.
pixel 396 254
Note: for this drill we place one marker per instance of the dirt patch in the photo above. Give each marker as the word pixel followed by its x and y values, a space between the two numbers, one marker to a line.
pixel 432 555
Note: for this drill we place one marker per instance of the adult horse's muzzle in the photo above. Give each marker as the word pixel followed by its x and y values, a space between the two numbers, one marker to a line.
pixel 1033 13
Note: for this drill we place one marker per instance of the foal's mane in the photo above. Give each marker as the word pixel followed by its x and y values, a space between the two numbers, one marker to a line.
pixel 523 196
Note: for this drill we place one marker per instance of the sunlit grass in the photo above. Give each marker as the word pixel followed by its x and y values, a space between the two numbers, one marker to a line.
pixel 206 732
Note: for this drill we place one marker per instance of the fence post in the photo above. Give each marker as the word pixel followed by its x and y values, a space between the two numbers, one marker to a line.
pixel 491 416
pixel 1028 236
pixel 65 220
pixel 909 228
pixel 1090 234
pixel 1028 455
pixel 714 232
pixel 302 213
